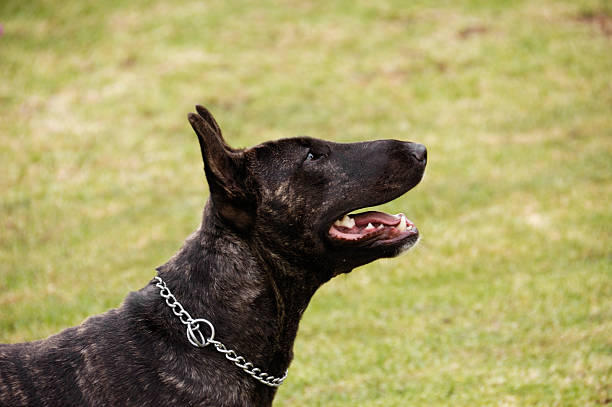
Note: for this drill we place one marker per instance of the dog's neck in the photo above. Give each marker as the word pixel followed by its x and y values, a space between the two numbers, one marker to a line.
pixel 254 299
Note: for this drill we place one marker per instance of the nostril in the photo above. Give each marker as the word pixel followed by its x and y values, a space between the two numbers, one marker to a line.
pixel 419 152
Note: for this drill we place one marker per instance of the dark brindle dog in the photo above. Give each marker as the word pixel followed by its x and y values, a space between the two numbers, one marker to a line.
pixel 275 228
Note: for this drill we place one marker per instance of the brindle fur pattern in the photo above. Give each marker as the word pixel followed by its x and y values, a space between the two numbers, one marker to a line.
pixel 251 268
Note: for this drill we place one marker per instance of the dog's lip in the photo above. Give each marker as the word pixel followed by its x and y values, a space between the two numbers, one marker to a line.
pixel 371 227
pixel 363 218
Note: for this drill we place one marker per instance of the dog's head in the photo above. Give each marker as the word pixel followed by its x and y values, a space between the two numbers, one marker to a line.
pixel 294 196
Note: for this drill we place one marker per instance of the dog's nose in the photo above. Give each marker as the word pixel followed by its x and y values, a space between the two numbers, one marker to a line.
pixel 419 152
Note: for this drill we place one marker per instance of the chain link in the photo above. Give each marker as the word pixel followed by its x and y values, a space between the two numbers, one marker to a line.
pixel 199 340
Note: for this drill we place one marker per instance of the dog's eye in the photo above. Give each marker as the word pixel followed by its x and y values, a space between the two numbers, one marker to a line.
pixel 312 156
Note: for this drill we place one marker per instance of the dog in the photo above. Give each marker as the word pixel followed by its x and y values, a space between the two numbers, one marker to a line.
pixel 216 326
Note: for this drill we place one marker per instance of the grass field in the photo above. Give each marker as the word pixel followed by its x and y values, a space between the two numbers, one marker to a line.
pixel 508 299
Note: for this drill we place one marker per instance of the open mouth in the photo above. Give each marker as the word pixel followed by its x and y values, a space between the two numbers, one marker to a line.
pixel 372 226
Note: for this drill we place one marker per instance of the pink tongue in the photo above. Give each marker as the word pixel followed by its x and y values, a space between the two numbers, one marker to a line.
pixel 362 219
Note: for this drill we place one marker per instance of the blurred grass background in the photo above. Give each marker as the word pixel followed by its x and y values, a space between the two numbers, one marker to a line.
pixel 508 299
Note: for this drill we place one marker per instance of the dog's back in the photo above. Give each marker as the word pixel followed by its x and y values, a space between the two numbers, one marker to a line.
pixel 70 368
pixel 110 359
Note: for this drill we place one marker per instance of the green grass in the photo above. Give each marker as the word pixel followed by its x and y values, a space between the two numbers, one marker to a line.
pixel 508 299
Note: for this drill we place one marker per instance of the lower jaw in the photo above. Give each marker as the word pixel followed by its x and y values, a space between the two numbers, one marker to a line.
pixel 407 237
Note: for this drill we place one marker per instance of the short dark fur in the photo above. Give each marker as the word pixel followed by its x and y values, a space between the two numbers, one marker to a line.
pixel 251 268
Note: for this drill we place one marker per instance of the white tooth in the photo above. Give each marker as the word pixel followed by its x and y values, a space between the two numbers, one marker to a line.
pixel 369 227
pixel 346 221
pixel 380 226
pixel 402 227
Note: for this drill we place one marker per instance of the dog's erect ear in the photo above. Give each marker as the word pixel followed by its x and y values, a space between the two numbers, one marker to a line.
pixel 208 117
pixel 224 168
pixel 220 160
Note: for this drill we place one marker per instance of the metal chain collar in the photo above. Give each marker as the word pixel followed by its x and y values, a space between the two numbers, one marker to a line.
pixel 199 340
